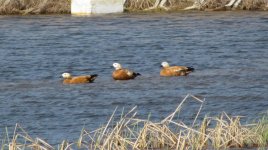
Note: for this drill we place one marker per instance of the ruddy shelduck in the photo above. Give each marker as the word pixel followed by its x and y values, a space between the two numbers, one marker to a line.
pixel 123 74
pixel 168 71
pixel 68 79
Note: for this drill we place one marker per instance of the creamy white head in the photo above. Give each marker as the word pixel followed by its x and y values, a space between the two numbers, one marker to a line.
pixel 117 66
pixel 66 75
pixel 164 64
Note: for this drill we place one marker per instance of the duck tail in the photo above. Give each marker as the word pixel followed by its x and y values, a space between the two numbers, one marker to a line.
pixel 137 74
pixel 93 77
pixel 190 69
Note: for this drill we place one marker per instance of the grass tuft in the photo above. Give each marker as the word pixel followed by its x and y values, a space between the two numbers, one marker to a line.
pixel 34 6
pixel 130 132
pixel 64 6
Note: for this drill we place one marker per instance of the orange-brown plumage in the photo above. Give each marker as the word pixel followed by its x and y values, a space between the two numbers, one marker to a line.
pixel 68 79
pixel 123 74
pixel 168 71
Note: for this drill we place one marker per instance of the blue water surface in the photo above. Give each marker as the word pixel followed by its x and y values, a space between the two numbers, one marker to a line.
pixel 229 51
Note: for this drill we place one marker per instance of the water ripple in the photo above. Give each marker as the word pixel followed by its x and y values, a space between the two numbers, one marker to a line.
pixel 228 50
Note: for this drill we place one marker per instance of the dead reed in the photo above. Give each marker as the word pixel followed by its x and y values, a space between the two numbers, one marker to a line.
pixel 130 132
pixel 243 5
pixel 34 6
pixel 64 6
pixel 212 4
pixel 133 5
pixel 138 4
pixel 254 4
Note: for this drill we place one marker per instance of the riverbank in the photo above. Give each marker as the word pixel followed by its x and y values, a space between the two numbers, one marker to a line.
pixel 23 7
pixel 12 7
pixel 127 131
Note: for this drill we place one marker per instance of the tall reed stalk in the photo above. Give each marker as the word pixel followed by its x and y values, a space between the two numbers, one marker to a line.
pixel 130 132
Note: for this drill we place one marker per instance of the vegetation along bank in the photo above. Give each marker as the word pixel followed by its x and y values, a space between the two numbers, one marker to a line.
pixel 8 7
pixel 131 132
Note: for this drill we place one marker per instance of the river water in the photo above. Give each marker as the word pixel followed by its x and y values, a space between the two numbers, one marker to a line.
pixel 229 51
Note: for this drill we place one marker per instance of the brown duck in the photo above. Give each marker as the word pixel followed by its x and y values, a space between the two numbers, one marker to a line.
pixel 123 74
pixel 68 79
pixel 168 71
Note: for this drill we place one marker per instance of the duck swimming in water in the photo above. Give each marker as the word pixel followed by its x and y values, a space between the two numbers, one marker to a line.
pixel 68 79
pixel 123 74
pixel 168 71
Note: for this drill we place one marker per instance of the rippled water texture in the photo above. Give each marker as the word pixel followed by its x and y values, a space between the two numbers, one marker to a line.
pixel 228 49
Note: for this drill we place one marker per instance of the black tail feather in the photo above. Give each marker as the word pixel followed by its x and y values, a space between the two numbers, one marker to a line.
pixel 136 74
pixel 94 75
pixel 190 69
pixel 91 78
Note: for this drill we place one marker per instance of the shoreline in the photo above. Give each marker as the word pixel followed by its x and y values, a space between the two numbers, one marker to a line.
pixel 134 12
pixel 12 7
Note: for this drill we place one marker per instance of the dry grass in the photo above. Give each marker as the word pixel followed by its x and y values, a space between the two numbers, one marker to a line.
pixel 254 4
pixel 64 6
pixel 212 4
pixel 244 5
pixel 21 140
pixel 208 4
pixel 138 4
pixel 34 6
pixel 134 5
pixel 129 132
